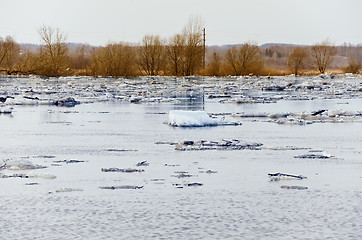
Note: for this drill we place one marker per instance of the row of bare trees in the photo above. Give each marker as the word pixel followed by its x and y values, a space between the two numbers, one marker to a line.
pixel 50 59
pixel 180 55
pixel 322 53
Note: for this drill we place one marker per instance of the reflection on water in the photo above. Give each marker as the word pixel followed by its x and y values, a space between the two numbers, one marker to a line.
pixel 237 202
pixel 194 103
pixel 191 99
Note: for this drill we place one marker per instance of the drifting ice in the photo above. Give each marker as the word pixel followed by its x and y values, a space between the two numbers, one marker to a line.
pixel 179 118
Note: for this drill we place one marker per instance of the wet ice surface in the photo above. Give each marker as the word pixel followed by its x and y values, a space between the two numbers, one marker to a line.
pixel 236 200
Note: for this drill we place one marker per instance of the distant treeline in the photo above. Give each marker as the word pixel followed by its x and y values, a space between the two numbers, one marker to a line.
pixel 181 55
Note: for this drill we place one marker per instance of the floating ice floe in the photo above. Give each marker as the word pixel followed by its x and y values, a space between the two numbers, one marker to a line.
pixel 286 148
pixel 121 187
pixel 125 170
pixel 181 118
pixel 20 165
pixel 120 150
pixel 183 174
pixel 63 190
pixel 31 184
pixel 304 118
pixel 142 164
pixel 225 144
pixel 69 161
pixel 6 110
pixel 283 176
pixel 28 175
pixel 193 184
pixel 294 187
pixel 66 102
pixel 322 155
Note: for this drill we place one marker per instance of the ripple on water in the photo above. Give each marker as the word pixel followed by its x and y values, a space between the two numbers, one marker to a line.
pixel 257 215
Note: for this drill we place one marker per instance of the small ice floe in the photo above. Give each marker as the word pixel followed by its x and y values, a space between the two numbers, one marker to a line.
pixel 183 175
pixel 3 99
pixel 225 144
pixel 6 110
pixel 287 148
pixel 250 115
pixel 274 88
pixel 171 165
pixel 194 184
pixel 283 176
pixel 294 187
pixel 211 96
pixel 135 99
pixel 143 163
pixel 29 175
pixel 121 187
pixel 166 143
pixel 65 102
pixel 20 165
pixel 306 118
pixel 120 150
pixel 70 161
pixel 125 170
pixel 63 190
pixel 158 180
pixel 180 118
pixel 43 156
pixel 278 115
pixel 340 112
pixel 31 184
pixel 248 100
pixel 315 155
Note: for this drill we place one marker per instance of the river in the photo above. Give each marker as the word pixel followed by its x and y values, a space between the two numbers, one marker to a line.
pixel 235 201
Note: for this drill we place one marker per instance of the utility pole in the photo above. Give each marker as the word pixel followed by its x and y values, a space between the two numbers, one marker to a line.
pixel 204 46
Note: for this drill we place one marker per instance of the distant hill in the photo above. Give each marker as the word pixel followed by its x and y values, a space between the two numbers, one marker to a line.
pixel 268 45
pixel 29 46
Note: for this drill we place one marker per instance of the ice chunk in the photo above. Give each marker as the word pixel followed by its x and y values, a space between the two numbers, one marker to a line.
pixel 6 110
pixel 21 165
pixel 282 176
pixel 180 118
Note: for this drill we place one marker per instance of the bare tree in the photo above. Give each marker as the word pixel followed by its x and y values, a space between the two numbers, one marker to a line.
pixel 194 45
pixel 28 62
pixel 353 66
pixel 114 60
pixel 213 68
pixel 53 52
pixel 245 59
pixel 231 57
pixel 249 58
pixel 296 59
pixel 151 55
pixel 80 57
pixel 175 51
pixel 9 53
pixel 323 54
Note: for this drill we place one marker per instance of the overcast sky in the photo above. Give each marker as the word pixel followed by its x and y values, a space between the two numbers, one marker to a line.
pixel 99 22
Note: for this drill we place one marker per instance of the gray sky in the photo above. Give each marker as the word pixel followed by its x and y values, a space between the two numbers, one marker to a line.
pixel 99 22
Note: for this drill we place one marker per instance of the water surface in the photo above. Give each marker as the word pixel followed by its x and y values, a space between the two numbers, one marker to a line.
pixel 237 202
